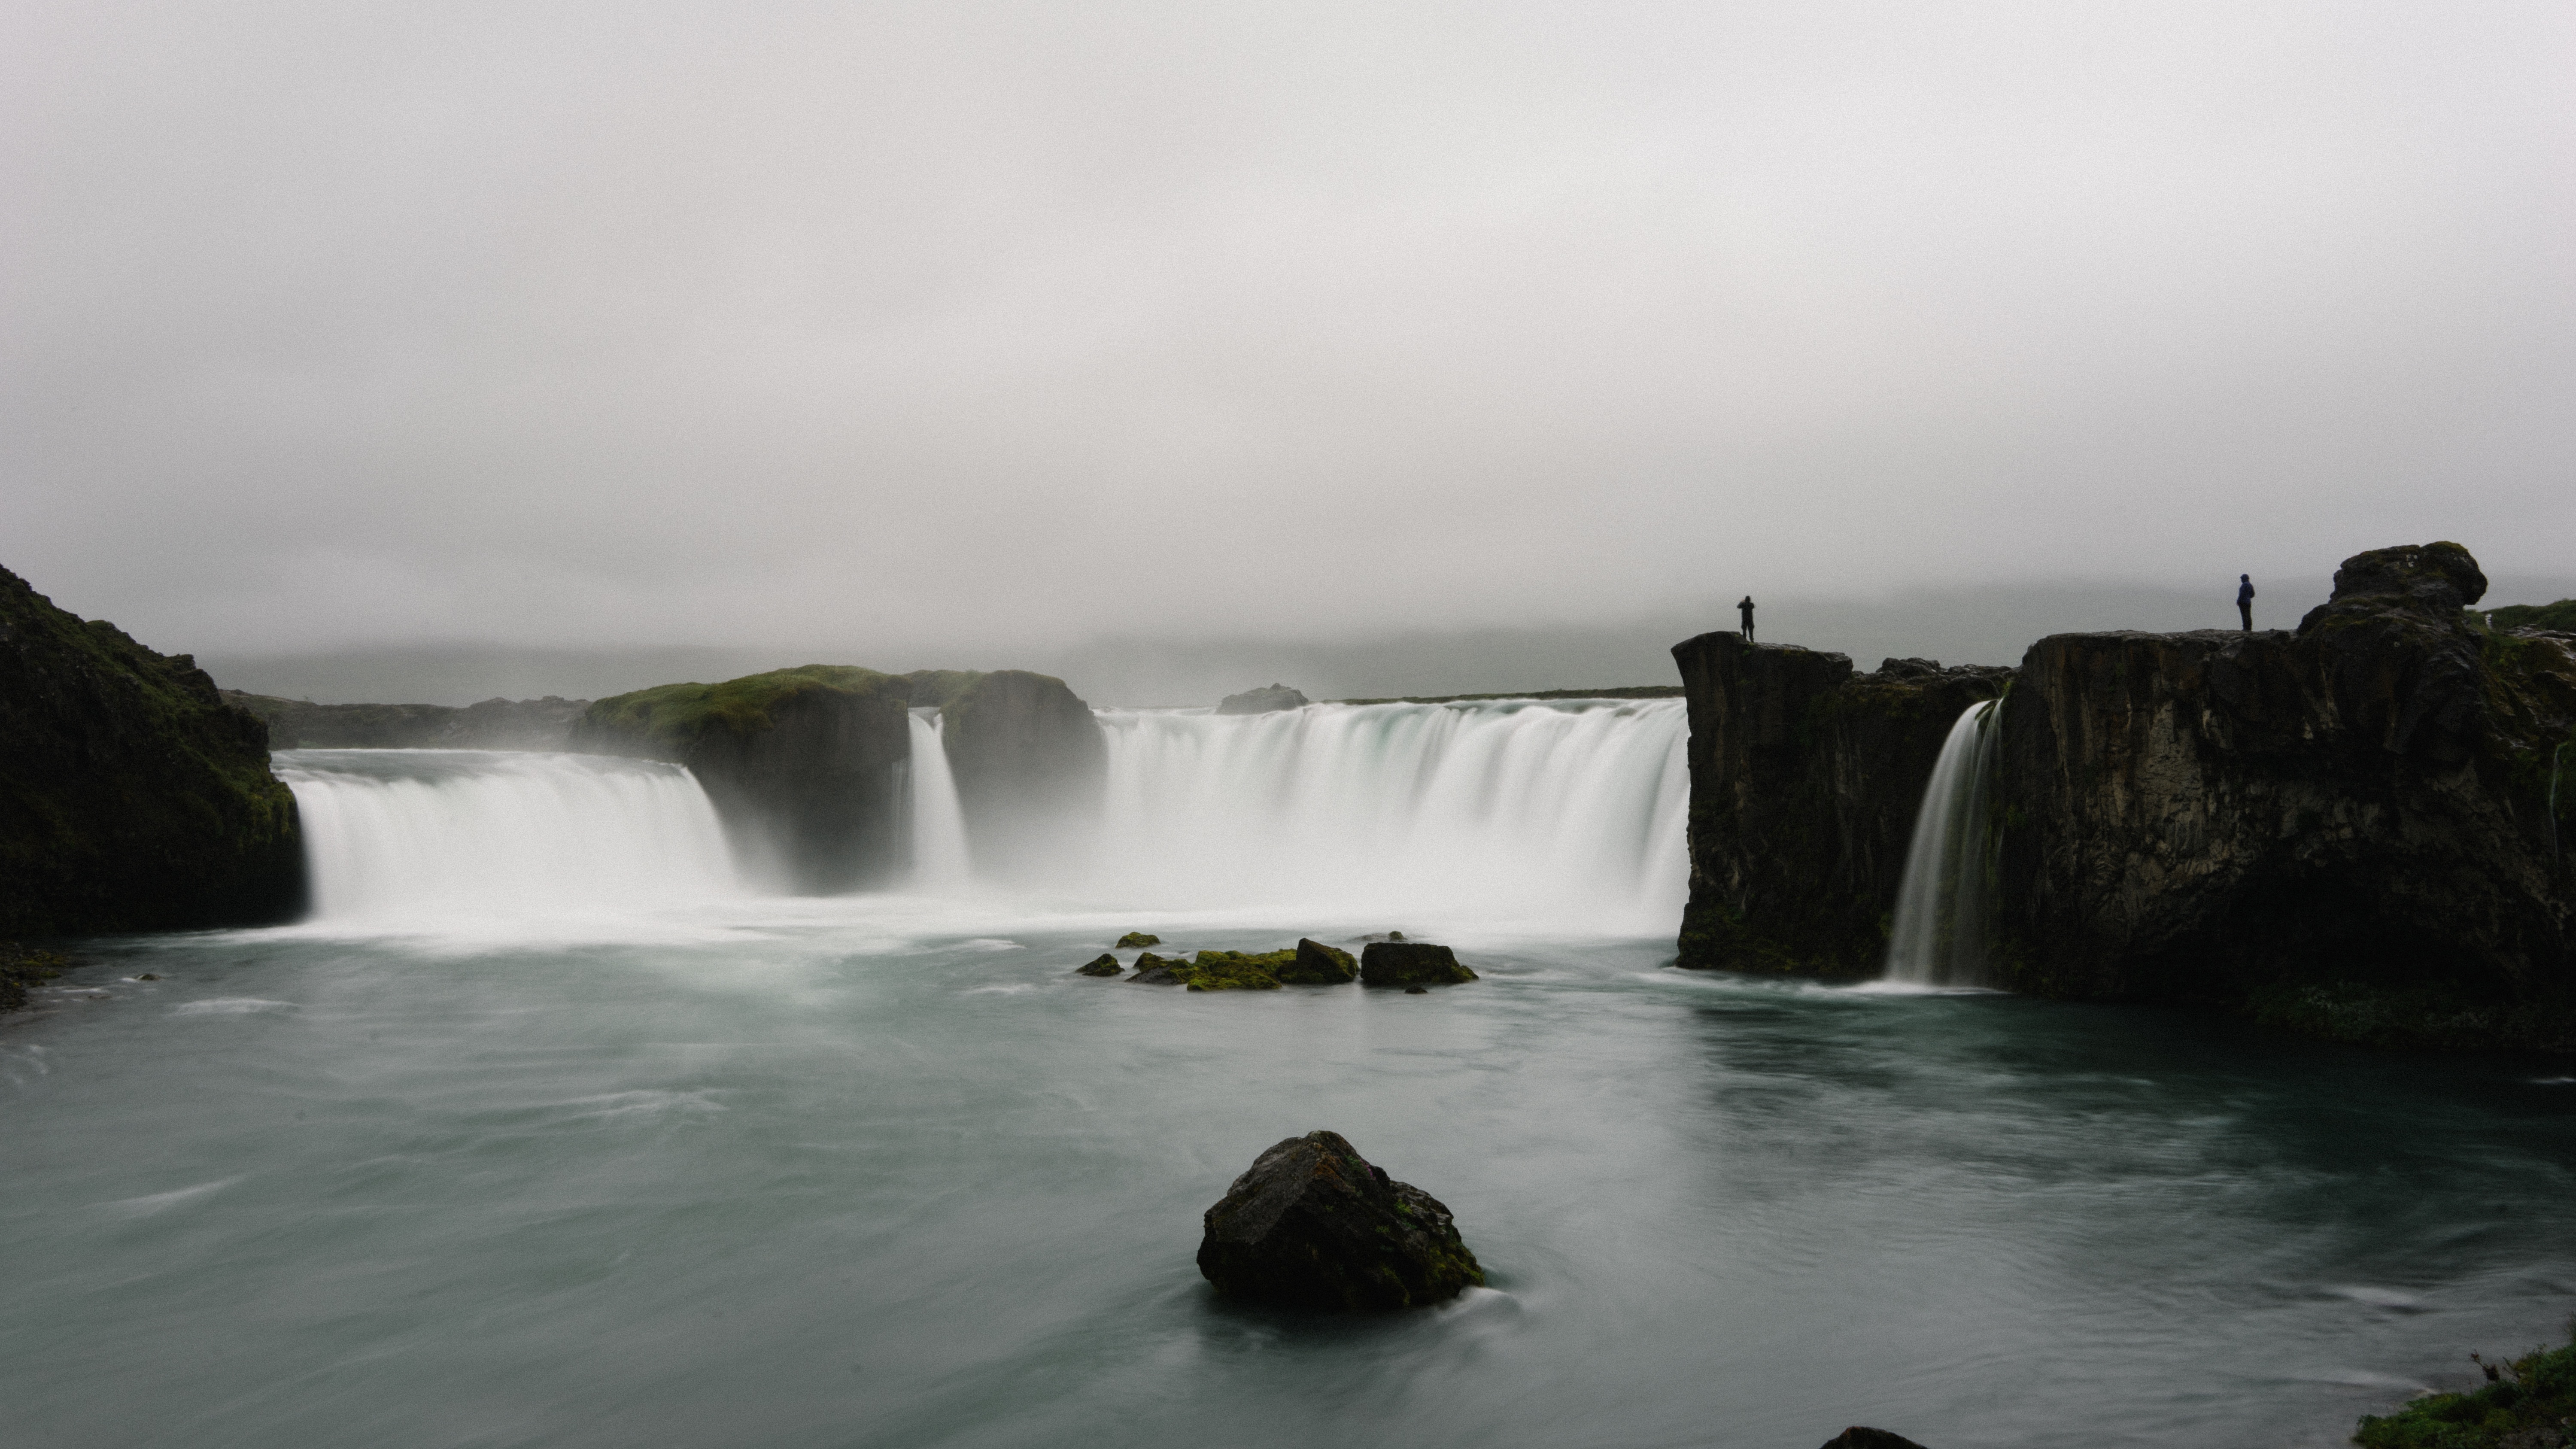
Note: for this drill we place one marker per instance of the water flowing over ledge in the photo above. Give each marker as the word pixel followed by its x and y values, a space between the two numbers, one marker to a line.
pixel 1943 902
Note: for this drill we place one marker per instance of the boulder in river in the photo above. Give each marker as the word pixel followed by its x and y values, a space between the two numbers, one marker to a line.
pixel 1410 963
pixel 1103 964
pixel 1314 1225
pixel 1316 964
pixel 1153 970
pixel 1137 941
pixel 1862 1437
pixel 1237 970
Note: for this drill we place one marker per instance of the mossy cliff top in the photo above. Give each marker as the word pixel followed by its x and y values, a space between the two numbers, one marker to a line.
pixel 2557 618
pixel 132 797
pixel 672 720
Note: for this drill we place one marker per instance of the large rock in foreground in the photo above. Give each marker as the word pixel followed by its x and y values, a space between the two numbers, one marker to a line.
pixel 132 797
pixel 1314 1225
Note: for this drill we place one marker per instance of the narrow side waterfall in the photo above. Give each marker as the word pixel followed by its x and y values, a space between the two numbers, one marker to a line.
pixel 1539 815
pixel 430 837
pixel 939 863
pixel 1939 938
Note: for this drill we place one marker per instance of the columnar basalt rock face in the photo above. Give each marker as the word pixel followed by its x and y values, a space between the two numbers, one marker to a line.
pixel 1805 780
pixel 1030 765
pixel 803 766
pixel 2348 828
pixel 2223 815
pixel 131 796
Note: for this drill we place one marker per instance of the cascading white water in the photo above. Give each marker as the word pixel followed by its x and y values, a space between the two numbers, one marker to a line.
pixel 431 837
pixel 1939 937
pixel 939 863
pixel 1538 815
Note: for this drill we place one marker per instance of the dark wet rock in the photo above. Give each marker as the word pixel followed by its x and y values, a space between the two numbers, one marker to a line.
pixel 1136 940
pixel 1417 991
pixel 1103 964
pixel 132 797
pixel 1315 964
pixel 1237 970
pixel 1153 970
pixel 1380 936
pixel 1858 1437
pixel 1410 963
pixel 23 967
pixel 1315 1225
pixel 1263 701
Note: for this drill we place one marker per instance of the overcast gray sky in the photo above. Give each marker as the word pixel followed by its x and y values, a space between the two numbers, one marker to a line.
pixel 887 330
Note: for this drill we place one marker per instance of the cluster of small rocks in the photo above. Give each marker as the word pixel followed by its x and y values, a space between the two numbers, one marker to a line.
pixel 1388 960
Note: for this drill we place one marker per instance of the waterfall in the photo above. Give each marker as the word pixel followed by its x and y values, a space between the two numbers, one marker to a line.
pixel 938 824
pixel 1541 815
pixel 427 837
pixel 1939 938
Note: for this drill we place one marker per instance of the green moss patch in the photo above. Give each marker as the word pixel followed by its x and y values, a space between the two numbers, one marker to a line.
pixel 675 716
pixel 2529 1403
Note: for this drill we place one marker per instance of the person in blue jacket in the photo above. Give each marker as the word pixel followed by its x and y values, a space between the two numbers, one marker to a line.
pixel 2245 600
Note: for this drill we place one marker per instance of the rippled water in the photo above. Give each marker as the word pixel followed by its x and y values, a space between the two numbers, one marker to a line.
pixel 882 1173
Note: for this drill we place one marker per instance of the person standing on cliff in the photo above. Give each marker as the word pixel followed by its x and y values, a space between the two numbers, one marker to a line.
pixel 2244 601
pixel 1745 607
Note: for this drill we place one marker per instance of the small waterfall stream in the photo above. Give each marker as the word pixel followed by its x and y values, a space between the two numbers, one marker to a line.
pixel 939 862
pixel 1942 903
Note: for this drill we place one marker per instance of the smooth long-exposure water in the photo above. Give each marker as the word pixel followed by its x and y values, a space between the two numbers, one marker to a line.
pixel 720 1170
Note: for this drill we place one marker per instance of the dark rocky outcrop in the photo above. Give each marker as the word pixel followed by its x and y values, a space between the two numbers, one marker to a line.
pixel 1313 1225
pixel 23 968
pixel 1137 941
pixel 1030 765
pixel 2557 618
pixel 2348 828
pixel 1410 963
pixel 1153 970
pixel 1103 964
pixel 132 797
pixel 1861 1437
pixel 495 724
pixel 803 765
pixel 1263 701
pixel 1315 964
pixel 1237 970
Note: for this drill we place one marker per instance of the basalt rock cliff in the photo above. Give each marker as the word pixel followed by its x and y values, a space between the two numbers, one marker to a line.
pixel 131 796
pixel 803 765
pixel 1805 778
pixel 2357 828
pixel 807 767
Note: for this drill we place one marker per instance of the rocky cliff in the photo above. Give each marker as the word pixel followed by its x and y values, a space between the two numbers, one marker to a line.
pixel 803 766
pixel 494 724
pixel 2349 826
pixel 1804 782
pixel 131 796
pixel 2357 828
pixel 1030 764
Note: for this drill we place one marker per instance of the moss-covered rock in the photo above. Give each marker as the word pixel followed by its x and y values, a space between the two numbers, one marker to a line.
pixel 2528 1403
pixel 2557 618
pixel 1237 970
pixel 1410 963
pixel 803 765
pixel 1103 964
pixel 132 797
pixel 23 968
pixel 1315 964
pixel 1314 1225
pixel 1153 970
pixel 1137 941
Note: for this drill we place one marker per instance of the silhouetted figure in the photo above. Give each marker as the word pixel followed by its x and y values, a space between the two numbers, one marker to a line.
pixel 2245 600
pixel 1745 607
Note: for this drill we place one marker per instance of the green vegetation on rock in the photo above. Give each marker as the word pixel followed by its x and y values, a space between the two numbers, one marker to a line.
pixel 672 718
pixel 2529 1403
pixel 1103 964
pixel 1237 970
pixel 22 967
pixel 1315 964
pixel 132 797
pixel 1137 941
pixel 2559 617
